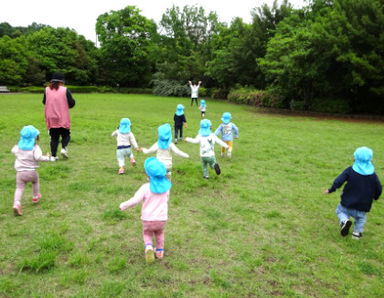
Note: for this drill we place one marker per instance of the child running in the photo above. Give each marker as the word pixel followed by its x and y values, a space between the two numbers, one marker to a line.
pixel 28 154
pixel 207 142
pixel 179 119
pixel 154 211
pixel 363 186
pixel 164 148
pixel 226 129
pixel 125 139
pixel 202 108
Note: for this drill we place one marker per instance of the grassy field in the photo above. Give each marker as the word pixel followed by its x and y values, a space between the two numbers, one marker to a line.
pixel 262 228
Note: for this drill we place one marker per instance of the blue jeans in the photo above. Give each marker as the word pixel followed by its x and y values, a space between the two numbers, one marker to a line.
pixel 359 216
pixel 121 154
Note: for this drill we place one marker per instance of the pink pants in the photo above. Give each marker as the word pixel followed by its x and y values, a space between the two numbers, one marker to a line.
pixel 22 178
pixel 154 227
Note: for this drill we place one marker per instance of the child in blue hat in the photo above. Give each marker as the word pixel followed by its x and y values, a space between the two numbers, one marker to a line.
pixel 227 129
pixel 363 186
pixel 164 148
pixel 28 154
pixel 202 108
pixel 207 141
pixel 125 141
pixel 179 119
pixel 154 211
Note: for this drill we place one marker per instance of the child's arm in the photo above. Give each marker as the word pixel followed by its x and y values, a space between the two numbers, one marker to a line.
pixel 236 130
pixel 114 134
pixel 218 130
pixel 220 142
pixel 185 121
pixel 136 199
pixel 339 181
pixel 177 151
pixel 15 149
pixel 133 142
pixel 193 140
pixel 38 154
pixel 379 188
pixel 153 149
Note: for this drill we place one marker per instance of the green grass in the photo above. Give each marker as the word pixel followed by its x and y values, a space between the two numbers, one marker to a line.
pixel 262 228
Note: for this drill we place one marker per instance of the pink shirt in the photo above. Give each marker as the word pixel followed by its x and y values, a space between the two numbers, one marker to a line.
pixel 56 108
pixel 27 160
pixel 155 206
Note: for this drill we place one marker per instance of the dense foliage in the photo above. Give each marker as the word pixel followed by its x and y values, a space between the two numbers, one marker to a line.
pixel 327 56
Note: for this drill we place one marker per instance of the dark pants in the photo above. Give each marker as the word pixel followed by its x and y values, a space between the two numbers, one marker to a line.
pixel 55 134
pixel 194 99
pixel 177 130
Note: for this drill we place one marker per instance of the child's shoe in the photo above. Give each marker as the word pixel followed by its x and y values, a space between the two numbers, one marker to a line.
pixel 64 152
pixel 149 255
pixel 222 154
pixel 229 154
pixel 121 171
pixel 159 253
pixel 356 235
pixel 17 210
pixel 175 141
pixel 217 169
pixel 36 199
pixel 206 177
pixel 345 227
pixel 133 162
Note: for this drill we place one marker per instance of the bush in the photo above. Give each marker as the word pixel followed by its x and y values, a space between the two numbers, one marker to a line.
pixel 330 105
pixel 170 88
pixel 272 98
pixel 298 105
pixel 219 93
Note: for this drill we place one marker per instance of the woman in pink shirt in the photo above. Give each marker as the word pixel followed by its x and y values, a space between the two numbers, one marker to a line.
pixel 28 154
pixel 154 212
pixel 58 100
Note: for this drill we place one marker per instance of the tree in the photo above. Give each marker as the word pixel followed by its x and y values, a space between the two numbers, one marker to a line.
pixel 128 47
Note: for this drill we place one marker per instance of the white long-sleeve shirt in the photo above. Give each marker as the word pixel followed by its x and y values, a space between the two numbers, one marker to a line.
pixel 195 91
pixel 165 155
pixel 125 139
pixel 28 160
pixel 207 144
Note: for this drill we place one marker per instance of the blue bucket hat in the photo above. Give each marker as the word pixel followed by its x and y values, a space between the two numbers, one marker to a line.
pixel 179 110
pixel 28 136
pixel 205 127
pixel 165 136
pixel 156 171
pixel 202 103
pixel 363 161
pixel 226 117
pixel 125 125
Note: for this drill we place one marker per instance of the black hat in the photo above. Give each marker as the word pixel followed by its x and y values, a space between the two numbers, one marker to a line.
pixel 57 77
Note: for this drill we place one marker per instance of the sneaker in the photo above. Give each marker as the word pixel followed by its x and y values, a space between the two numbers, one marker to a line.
pixel 356 235
pixel 37 199
pixel 206 177
pixel 133 162
pixel 159 253
pixel 149 255
pixel 345 227
pixel 121 171
pixel 222 154
pixel 17 210
pixel 64 152
pixel 229 154
pixel 217 169
pixel 175 141
pixel 55 157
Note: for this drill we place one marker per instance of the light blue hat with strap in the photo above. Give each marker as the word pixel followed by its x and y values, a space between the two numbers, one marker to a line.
pixel 226 117
pixel 156 171
pixel 205 127
pixel 28 136
pixel 202 103
pixel 179 110
pixel 165 136
pixel 363 161
pixel 125 125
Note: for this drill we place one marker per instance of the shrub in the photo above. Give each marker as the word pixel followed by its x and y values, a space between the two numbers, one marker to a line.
pixel 272 98
pixel 297 105
pixel 219 93
pixel 330 105
pixel 170 88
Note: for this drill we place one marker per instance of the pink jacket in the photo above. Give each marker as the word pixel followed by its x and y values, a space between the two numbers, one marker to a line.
pixel 28 160
pixel 56 108
pixel 155 206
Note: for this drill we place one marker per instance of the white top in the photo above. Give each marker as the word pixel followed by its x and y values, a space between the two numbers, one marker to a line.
pixel 203 108
pixel 125 139
pixel 28 160
pixel 207 144
pixel 195 91
pixel 165 155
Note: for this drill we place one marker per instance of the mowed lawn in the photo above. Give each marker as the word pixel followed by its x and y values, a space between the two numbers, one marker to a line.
pixel 264 227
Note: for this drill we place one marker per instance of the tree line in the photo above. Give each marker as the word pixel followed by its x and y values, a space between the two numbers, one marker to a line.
pixel 328 53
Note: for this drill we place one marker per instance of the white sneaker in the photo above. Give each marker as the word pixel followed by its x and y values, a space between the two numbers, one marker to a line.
pixel 64 152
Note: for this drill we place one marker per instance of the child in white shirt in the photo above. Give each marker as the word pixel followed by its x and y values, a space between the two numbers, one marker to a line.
pixel 207 141
pixel 125 140
pixel 203 108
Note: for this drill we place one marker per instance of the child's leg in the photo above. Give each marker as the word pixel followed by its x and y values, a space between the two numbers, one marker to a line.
pixel 204 165
pixel 159 235
pixel 342 213
pixel 120 157
pixel 360 220
pixel 181 132
pixel 147 238
pixel 20 186
pixel 230 145
pixel 35 184
pixel 176 133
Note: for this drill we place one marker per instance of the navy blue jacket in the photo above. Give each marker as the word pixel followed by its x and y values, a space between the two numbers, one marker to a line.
pixel 360 190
